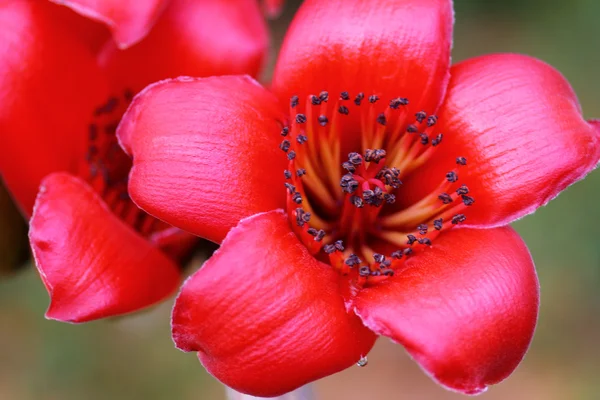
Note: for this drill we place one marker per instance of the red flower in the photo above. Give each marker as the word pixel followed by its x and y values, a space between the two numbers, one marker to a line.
pixel 386 151
pixel 64 85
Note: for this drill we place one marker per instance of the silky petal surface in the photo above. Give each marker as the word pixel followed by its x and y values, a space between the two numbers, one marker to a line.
pixel 464 309
pixel 49 87
pixel 195 38
pixel 390 48
pixel 205 152
pixel 129 20
pixel 93 265
pixel 264 315
pixel 519 125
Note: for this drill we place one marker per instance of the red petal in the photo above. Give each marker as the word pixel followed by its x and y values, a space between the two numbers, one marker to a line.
pixel 519 124
pixel 386 47
pixel 49 87
pixel 129 20
pixel 93 265
pixel 92 33
pixel 195 38
pixel 465 309
pixel 205 152
pixel 265 316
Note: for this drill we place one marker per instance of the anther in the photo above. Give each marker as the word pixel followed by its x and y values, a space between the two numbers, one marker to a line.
pixel 299 217
pixel 467 200
pixel 389 176
pixel 315 100
pixel 306 217
pixel 388 272
pixel 359 98
pixel 128 94
pixel 343 110
pixel 348 184
pixel 431 120
pixel 379 258
pixel 287 174
pixel 451 176
pixel 300 172
pixel 294 101
pixel 93 132
pixel 352 186
pixel 461 161
pixel 107 108
pixel 462 190
pixel 291 155
pixel 355 158
pixel 297 198
pixel 364 271
pixel 374 155
pixel 323 120
pixel 301 139
pixel 420 116
pixel 425 241
pixel 412 129
pixel 396 254
pixel 353 260
pixel 320 235
pixel 438 223
pixel 346 179
pixel 312 231
pixel 407 251
pixel 291 188
pixel 437 140
pixel 285 131
pixel 357 201
pixel 339 245
pixel 344 96
pixel 373 98
pixel 285 145
pixel 445 198
pixel 458 218
pixel 329 249
pixel 300 118
pixel 381 119
pixel 348 166
pixel 389 198
pixel 411 239
pixel 400 101
pixel 424 139
pixel 324 96
pixel 422 229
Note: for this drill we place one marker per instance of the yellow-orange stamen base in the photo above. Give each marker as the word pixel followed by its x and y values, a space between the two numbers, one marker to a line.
pixel 335 198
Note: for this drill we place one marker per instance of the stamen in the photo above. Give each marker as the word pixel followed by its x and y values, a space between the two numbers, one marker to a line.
pixel 294 101
pixel 357 196
pixel 359 98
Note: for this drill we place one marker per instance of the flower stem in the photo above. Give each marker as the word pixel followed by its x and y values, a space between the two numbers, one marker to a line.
pixel 303 393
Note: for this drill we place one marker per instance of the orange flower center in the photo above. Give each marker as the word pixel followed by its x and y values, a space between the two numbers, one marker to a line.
pixel 342 205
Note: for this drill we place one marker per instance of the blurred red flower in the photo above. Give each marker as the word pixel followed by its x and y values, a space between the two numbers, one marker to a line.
pixel 401 174
pixel 64 85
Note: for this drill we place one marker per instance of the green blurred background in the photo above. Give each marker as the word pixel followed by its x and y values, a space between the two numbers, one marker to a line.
pixel 133 357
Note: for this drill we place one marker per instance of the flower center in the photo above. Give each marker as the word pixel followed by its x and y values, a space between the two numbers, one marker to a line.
pixel 106 166
pixel 342 189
